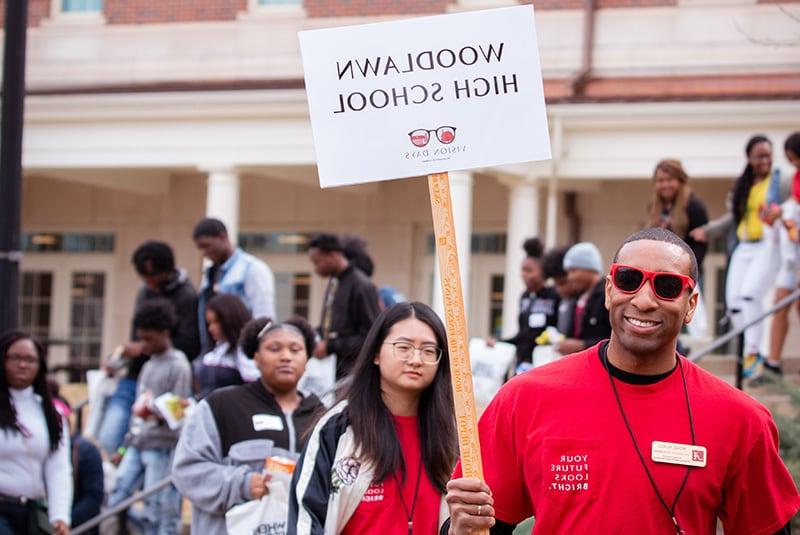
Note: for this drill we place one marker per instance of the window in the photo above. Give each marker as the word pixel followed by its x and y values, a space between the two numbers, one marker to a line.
pixel 35 302
pixel 81 6
pixel 480 243
pixel 75 242
pixel 292 294
pixel 302 294
pixel 86 321
pixel 496 305
pixel 275 242
pixel 275 8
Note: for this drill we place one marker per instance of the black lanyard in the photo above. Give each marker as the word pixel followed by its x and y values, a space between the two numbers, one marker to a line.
pixel 410 515
pixel 670 510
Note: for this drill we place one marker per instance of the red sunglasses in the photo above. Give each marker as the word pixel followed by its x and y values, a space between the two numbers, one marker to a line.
pixel 667 286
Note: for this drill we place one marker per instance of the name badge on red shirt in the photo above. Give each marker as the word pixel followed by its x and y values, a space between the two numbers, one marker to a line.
pixel 673 453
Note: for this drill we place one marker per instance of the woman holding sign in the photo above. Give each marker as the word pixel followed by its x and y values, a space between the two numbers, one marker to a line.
pixel 379 460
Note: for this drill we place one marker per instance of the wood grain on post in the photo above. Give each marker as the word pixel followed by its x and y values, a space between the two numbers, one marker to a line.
pixel 456 322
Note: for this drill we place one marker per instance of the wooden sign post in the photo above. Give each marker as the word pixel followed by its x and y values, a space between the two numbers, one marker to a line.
pixel 455 320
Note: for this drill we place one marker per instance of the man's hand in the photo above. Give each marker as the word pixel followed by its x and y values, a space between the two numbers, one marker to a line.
pixel 470 504
pixel 258 485
pixel 699 235
pixel 321 350
pixel 132 349
pixel 570 345
pixel 60 528
pixel 490 341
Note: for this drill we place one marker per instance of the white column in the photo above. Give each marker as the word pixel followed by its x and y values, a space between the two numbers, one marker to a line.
pixel 461 200
pixel 523 223
pixel 222 198
pixel 552 212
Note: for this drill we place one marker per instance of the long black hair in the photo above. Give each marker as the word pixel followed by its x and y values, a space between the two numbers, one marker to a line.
pixel 355 250
pixel 373 427
pixel 232 315
pixel 741 189
pixel 8 415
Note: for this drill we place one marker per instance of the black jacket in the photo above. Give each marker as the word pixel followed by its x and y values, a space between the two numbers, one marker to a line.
pixel 536 312
pixel 355 307
pixel 595 325
pixel 87 471
pixel 185 335
pixel 233 408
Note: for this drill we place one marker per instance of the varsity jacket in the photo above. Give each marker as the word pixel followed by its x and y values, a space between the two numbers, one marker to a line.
pixel 225 440
pixel 329 480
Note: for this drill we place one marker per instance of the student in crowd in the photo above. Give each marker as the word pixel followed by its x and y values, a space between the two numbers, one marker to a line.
pixel 628 436
pixel 155 263
pixel 675 207
pixel 87 468
pixel 232 271
pixel 34 441
pixel 152 442
pixel 538 305
pixel 88 479
pixel 786 281
pixel 378 461
pixel 226 315
pixel 754 261
pixel 553 268
pixel 220 457
pixel 589 318
pixel 351 303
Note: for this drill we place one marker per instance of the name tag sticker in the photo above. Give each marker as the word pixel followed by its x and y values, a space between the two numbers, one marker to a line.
pixel 267 422
pixel 536 320
pixel 685 454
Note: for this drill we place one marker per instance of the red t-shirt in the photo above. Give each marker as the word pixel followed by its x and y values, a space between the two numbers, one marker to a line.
pixel 381 510
pixel 555 447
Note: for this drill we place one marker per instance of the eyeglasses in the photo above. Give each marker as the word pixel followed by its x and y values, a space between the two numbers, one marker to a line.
pixel 22 359
pixel 421 136
pixel 405 351
pixel 667 286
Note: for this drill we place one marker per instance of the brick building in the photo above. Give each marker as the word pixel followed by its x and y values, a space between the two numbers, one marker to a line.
pixel 143 116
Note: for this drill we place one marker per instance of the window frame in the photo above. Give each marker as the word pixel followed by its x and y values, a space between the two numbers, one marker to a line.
pixel 258 10
pixel 58 15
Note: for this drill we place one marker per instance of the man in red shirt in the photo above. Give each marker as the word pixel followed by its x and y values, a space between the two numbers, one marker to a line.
pixel 627 436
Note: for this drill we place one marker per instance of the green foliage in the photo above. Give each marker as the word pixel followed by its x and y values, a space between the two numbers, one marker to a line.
pixel 789 429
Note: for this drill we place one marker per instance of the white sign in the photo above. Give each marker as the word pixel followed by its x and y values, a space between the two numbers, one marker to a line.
pixel 425 95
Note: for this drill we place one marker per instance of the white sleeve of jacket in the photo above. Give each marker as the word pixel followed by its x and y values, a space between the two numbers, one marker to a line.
pixel 198 471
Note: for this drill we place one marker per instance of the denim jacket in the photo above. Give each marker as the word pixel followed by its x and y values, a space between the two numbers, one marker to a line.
pixel 248 278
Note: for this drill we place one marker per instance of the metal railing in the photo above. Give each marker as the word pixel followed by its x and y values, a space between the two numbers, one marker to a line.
pixel 120 507
pixel 727 337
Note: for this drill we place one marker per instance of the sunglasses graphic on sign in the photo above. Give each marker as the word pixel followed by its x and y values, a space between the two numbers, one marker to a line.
pixel 421 136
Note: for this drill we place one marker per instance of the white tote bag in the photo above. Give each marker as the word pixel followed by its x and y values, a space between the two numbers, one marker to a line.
pixel 269 515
